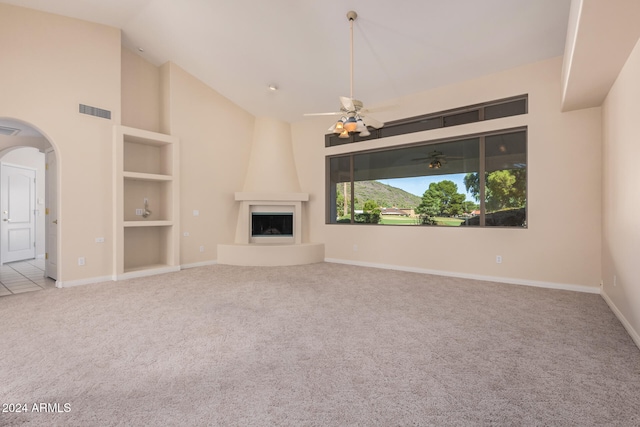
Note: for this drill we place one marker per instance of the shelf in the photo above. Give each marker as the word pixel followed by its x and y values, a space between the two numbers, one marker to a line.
pixel 158 195
pixel 144 223
pixel 146 176
pixel 145 137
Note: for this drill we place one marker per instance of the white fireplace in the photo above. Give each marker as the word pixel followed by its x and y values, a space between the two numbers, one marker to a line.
pixel 269 230
pixel 273 210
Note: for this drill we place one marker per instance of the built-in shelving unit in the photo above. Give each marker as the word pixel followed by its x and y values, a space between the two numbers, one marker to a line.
pixel 146 237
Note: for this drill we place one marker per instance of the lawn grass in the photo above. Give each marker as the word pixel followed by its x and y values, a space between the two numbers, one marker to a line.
pixel 452 222
pixel 403 220
pixel 398 220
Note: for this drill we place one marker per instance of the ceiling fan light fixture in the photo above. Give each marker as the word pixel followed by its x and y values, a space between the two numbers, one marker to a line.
pixel 362 129
pixel 351 124
pixel 435 164
pixel 344 134
pixel 339 127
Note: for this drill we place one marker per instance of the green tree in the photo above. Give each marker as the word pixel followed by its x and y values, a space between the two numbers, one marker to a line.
pixel 370 205
pixel 340 203
pixel 371 213
pixel 441 199
pixel 468 206
pixel 503 188
pixel 472 183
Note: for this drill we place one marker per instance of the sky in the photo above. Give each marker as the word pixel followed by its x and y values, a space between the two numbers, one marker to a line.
pixel 418 185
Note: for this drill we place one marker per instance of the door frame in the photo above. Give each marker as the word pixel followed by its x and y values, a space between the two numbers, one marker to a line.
pixel 48 222
pixel 50 145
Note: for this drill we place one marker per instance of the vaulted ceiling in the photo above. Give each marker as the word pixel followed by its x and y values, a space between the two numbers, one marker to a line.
pixel 241 47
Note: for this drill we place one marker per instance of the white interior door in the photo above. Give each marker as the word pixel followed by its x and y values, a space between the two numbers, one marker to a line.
pixel 17 203
pixel 51 215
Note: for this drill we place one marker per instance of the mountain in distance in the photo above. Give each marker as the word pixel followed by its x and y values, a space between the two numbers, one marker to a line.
pixel 384 195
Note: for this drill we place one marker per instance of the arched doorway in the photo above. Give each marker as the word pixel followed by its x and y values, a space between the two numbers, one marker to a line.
pixel 29 247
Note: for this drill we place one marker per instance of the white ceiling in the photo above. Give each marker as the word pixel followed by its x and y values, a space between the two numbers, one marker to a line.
pixel 240 47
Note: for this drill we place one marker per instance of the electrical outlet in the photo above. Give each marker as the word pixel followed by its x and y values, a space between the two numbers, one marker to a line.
pixel 201 248
pixel 81 260
pixel 355 248
pixel 99 239
pixel 498 259
pixel 185 234
pixel 196 212
pixel 139 212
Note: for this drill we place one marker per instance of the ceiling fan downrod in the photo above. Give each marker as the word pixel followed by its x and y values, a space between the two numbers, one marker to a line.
pixel 351 16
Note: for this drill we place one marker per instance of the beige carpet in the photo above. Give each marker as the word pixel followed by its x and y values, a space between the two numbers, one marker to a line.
pixel 315 345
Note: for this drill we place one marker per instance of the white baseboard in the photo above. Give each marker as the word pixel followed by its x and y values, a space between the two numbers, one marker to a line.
pixel 512 281
pixel 632 332
pixel 80 282
pixel 198 264
pixel 129 275
pixel 147 271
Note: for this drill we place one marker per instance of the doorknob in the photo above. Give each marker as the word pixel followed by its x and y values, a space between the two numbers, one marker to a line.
pixel 6 219
pixel 55 221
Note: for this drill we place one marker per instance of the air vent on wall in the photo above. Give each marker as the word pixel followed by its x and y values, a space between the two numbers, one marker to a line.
pixel 8 131
pixel 94 111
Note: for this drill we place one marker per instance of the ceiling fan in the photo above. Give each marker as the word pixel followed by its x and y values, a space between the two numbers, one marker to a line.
pixel 436 159
pixel 353 119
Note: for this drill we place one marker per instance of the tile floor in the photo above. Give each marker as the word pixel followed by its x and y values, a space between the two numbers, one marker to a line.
pixel 23 276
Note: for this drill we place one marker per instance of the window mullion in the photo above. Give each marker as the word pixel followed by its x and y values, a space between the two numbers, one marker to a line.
pixel 481 180
pixel 351 164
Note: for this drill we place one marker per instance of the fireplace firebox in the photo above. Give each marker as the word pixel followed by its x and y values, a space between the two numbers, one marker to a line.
pixel 276 224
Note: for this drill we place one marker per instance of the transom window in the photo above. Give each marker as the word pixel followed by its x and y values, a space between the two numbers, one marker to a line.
pixel 472 113
pixel 434 183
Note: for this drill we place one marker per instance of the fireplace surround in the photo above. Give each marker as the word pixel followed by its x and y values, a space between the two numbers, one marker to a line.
pixel 271 192
pixel 274 249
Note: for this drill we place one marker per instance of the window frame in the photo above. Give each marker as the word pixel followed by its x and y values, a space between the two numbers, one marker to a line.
pixel 437 120
pixel 429 143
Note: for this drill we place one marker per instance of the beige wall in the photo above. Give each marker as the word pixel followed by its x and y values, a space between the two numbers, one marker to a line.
pixel 215 141
pixel 561 245
pixel 140 92
pixel 51 65
pixel 621 229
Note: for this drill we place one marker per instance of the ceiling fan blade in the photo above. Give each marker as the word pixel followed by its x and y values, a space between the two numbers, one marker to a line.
pixel 380 109
pixel 347 103
pixel 335 113
pixel 372 122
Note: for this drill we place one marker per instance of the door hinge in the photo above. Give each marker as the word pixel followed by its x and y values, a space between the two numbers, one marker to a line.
pixel 46 166
pixel 46 255
pixel 46 211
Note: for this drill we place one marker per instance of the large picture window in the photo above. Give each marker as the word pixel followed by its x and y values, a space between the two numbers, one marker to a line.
pixel 433 183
